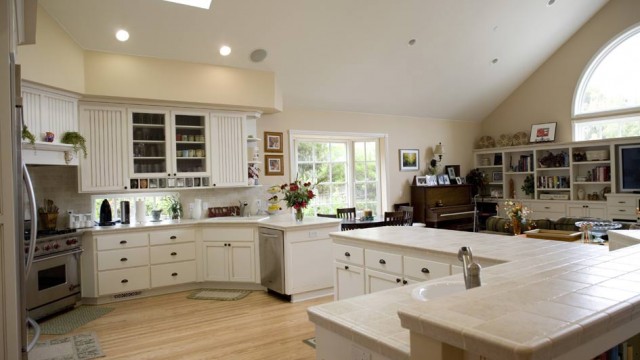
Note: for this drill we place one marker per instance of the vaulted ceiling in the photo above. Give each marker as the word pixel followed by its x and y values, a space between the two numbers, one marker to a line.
pixel 349 55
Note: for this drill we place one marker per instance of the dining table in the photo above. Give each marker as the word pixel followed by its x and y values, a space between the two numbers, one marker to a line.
pixel 362 223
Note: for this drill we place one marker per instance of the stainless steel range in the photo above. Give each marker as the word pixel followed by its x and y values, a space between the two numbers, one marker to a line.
pixel 53 283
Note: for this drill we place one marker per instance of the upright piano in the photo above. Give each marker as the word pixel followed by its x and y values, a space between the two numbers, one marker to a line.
pixel 443 206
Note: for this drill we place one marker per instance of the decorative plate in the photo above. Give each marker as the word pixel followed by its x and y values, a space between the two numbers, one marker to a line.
pixel 520 138
pixel 504 140
pixel 486 142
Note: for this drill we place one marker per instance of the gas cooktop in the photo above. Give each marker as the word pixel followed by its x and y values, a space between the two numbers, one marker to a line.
pixel 48 233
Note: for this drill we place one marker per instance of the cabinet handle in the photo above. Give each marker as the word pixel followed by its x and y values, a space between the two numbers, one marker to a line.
pixel 622 202
pixel 124 281
pixel 398 281
pixel 405 282
pixel 174 274
pixel 174 253
pixel 622 210
pixel 382 261
pixel 123 259
pixel 173 237
pixel 425 270
pixel 346 267
pixel 122 242
pixel 347 254
pixel 547 208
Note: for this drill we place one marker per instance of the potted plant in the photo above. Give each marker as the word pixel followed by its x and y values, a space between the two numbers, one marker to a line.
pixel 78 141
pixel 478 179
pixel 175 207
pixel 27 135
pixel 528 185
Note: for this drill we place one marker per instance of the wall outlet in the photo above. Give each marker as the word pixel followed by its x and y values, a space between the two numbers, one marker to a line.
pixel 313 234
pixel 358 353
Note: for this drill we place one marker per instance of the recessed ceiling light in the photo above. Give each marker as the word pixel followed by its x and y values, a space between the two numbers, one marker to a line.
pixel 225 50
pixel 203 4
pixel 494 61
pixel 551 2
pixel 122 35
pixel 412 42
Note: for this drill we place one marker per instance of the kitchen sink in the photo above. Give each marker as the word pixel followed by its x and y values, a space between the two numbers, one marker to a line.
pixel 238 218
pixel 437 290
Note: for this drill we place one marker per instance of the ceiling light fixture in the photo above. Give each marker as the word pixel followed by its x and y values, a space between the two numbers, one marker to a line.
pixel 203 4
pixel 122 35
pixel 225 50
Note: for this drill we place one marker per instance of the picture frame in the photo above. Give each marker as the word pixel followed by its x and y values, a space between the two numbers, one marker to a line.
pixel 458 180
pixel 452 173
pixel 272 142
pixel 421 180
pixel 443 179
pixel 409 159
pixel 432 180
pixel 496 176
pixel 274 165
pixel 543 132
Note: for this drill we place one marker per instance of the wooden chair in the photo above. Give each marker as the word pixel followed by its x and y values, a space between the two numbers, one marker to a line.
pixel 396 207
pixel 408 214
pixel 394 218
pixel 327 215
pixel 346 213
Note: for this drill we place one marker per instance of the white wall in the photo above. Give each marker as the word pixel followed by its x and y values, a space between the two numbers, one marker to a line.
pixel 547 96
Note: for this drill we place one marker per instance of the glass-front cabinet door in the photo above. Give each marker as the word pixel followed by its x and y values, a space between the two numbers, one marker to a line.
pixel 149 134
pixel 190 131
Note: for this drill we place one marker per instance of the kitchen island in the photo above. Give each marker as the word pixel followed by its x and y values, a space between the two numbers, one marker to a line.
pixel 546 300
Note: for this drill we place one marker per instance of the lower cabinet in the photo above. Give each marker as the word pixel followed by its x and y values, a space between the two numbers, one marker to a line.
pixel 230 261
pixel 377 281
pixel 587 210
pixel 348 280
pixel 173 273
pixel 124 280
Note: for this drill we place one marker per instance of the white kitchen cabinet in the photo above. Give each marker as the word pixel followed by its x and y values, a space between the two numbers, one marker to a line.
pixel 229 149
pixel 229 254
pixel 308 255
pixel 49 110
pixel 623 206
pixel 378 280
pixel 348 281
pixel 420 269
pixel 104 129
pixel 593 210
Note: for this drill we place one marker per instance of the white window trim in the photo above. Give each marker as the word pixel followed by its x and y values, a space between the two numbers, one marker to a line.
pixel 383 153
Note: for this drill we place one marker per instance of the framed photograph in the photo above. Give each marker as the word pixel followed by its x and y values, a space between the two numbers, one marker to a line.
pixel 274 165
pixel 432 180
pixel 443 179
pixel 409 160
pixel 421 180
pixel 497 176
pixel 272 142
pixel 463 180
pixel 543 132
pixel 452 173
pixel 458 180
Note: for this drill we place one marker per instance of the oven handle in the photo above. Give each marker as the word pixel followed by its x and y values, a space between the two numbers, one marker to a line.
pixel 46 257
pixel 34 219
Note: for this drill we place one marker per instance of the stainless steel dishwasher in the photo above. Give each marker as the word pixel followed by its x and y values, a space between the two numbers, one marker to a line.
pixel 271 244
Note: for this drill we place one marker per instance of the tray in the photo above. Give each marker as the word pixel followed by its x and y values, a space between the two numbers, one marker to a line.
pixel 560 235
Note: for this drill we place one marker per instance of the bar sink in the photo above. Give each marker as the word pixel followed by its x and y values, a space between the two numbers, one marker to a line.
pixel 433 291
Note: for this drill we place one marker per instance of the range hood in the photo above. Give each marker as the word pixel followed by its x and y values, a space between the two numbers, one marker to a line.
pixel 44 153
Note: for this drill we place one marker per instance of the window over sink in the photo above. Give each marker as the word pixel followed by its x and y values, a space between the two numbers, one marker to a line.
pixel 152 201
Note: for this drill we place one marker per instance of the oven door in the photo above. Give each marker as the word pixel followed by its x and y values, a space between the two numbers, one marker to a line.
pixel 53 277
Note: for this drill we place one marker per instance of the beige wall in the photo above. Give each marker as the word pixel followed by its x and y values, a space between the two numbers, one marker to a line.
pixel 547 96
pixel 55 60
pixel 403 133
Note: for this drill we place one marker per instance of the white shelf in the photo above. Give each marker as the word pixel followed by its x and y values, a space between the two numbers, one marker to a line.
pixel 254 139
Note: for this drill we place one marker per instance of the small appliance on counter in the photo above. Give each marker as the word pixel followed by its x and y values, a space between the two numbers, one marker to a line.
pixel 125 215
pixel 105 214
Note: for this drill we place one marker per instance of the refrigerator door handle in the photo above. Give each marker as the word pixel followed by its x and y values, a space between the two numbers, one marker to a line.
pixel 34 219
pixel 36 333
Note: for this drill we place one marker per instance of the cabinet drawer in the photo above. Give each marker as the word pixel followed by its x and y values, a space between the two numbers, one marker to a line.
pixel 121 241
pixel 228 234
pixel 173 274
pixel 117 281
pixel 121 259
pixel 349 254
pixel 172 253
pixel 422 269
pixel 384 261
pixel 621 212
pixel 171 236
pixel 547 207
pixel 309 234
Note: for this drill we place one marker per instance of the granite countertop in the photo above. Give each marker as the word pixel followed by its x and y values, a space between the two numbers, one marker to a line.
pixel 565 293
pixel 283 222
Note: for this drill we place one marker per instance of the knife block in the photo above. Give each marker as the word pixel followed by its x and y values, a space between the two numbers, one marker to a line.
pixel 48 221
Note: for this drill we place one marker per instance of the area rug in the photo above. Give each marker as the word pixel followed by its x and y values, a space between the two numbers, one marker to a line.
pixel 83 346
pixel 310 341
pixel 71 320
pixel 218 294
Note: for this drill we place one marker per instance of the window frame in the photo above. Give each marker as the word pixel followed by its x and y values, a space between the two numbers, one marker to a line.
pixel 350 138
pixel 131 197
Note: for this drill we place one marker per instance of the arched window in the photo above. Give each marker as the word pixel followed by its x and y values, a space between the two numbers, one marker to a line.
pixel 607 99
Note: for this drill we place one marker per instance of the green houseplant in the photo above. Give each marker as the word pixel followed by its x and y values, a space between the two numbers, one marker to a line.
pixel 78 141
pixel 527 187
pixel 27 135
pixel 478 179
pixel 175 207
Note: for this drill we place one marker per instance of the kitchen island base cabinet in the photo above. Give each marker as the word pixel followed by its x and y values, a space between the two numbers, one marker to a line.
pixel 332 346
pixel 348 280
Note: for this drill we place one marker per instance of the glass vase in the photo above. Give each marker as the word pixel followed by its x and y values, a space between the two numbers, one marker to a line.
pixel 299 215
pixel 517 226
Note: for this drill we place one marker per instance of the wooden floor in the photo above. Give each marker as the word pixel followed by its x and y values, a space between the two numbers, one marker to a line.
pixel 260 326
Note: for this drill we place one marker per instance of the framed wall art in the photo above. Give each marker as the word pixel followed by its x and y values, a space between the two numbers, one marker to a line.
pixel 274 165
pixel 543 132
pixel 272 142
pixel 409 160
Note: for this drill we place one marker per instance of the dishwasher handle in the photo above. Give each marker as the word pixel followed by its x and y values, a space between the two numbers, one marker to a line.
pixel 269 235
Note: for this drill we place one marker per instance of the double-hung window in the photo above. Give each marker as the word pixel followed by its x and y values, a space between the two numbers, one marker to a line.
pixel 347 169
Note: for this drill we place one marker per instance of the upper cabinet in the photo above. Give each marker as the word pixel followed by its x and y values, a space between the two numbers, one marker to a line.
pixel 47 110
pixel 229 149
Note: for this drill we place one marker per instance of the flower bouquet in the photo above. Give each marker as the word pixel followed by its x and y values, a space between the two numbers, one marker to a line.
pixel 297 195
pixel 518 213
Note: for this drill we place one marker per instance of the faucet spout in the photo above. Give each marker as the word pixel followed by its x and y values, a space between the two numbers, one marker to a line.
pixel 470 269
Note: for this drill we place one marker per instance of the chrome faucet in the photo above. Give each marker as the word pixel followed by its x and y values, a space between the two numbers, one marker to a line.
pixel 470 269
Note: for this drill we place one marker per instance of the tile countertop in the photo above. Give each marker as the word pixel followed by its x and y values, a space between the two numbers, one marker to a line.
pixel 565 293
pixel 282 222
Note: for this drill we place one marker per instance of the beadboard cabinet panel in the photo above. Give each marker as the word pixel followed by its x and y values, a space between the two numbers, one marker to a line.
pixel 229 150
pixel 49 111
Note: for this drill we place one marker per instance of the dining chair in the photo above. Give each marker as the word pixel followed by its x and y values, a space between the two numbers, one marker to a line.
pixel 408 214
pixel 327 215
pixel 396 207
pixel 394 218
pixel 346 213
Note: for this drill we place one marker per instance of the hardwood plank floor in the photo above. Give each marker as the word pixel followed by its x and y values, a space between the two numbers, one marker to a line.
pixel 260 326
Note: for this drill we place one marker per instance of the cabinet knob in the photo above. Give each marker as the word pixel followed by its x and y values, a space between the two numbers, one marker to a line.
pixel 168 174
pixel 122 242
pixel 174 274
pixel 124 281
pixel 123 259
pixel 346 267
pixel 174 174
pixel 125 188
pixel 347 254
pixel 382 261
pixel 405 282
pixel 174 253
pixel 173 237
pixel 425 270
pixel 398 280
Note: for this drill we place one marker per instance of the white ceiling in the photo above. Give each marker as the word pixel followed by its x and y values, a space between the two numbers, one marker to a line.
pixel 349 55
